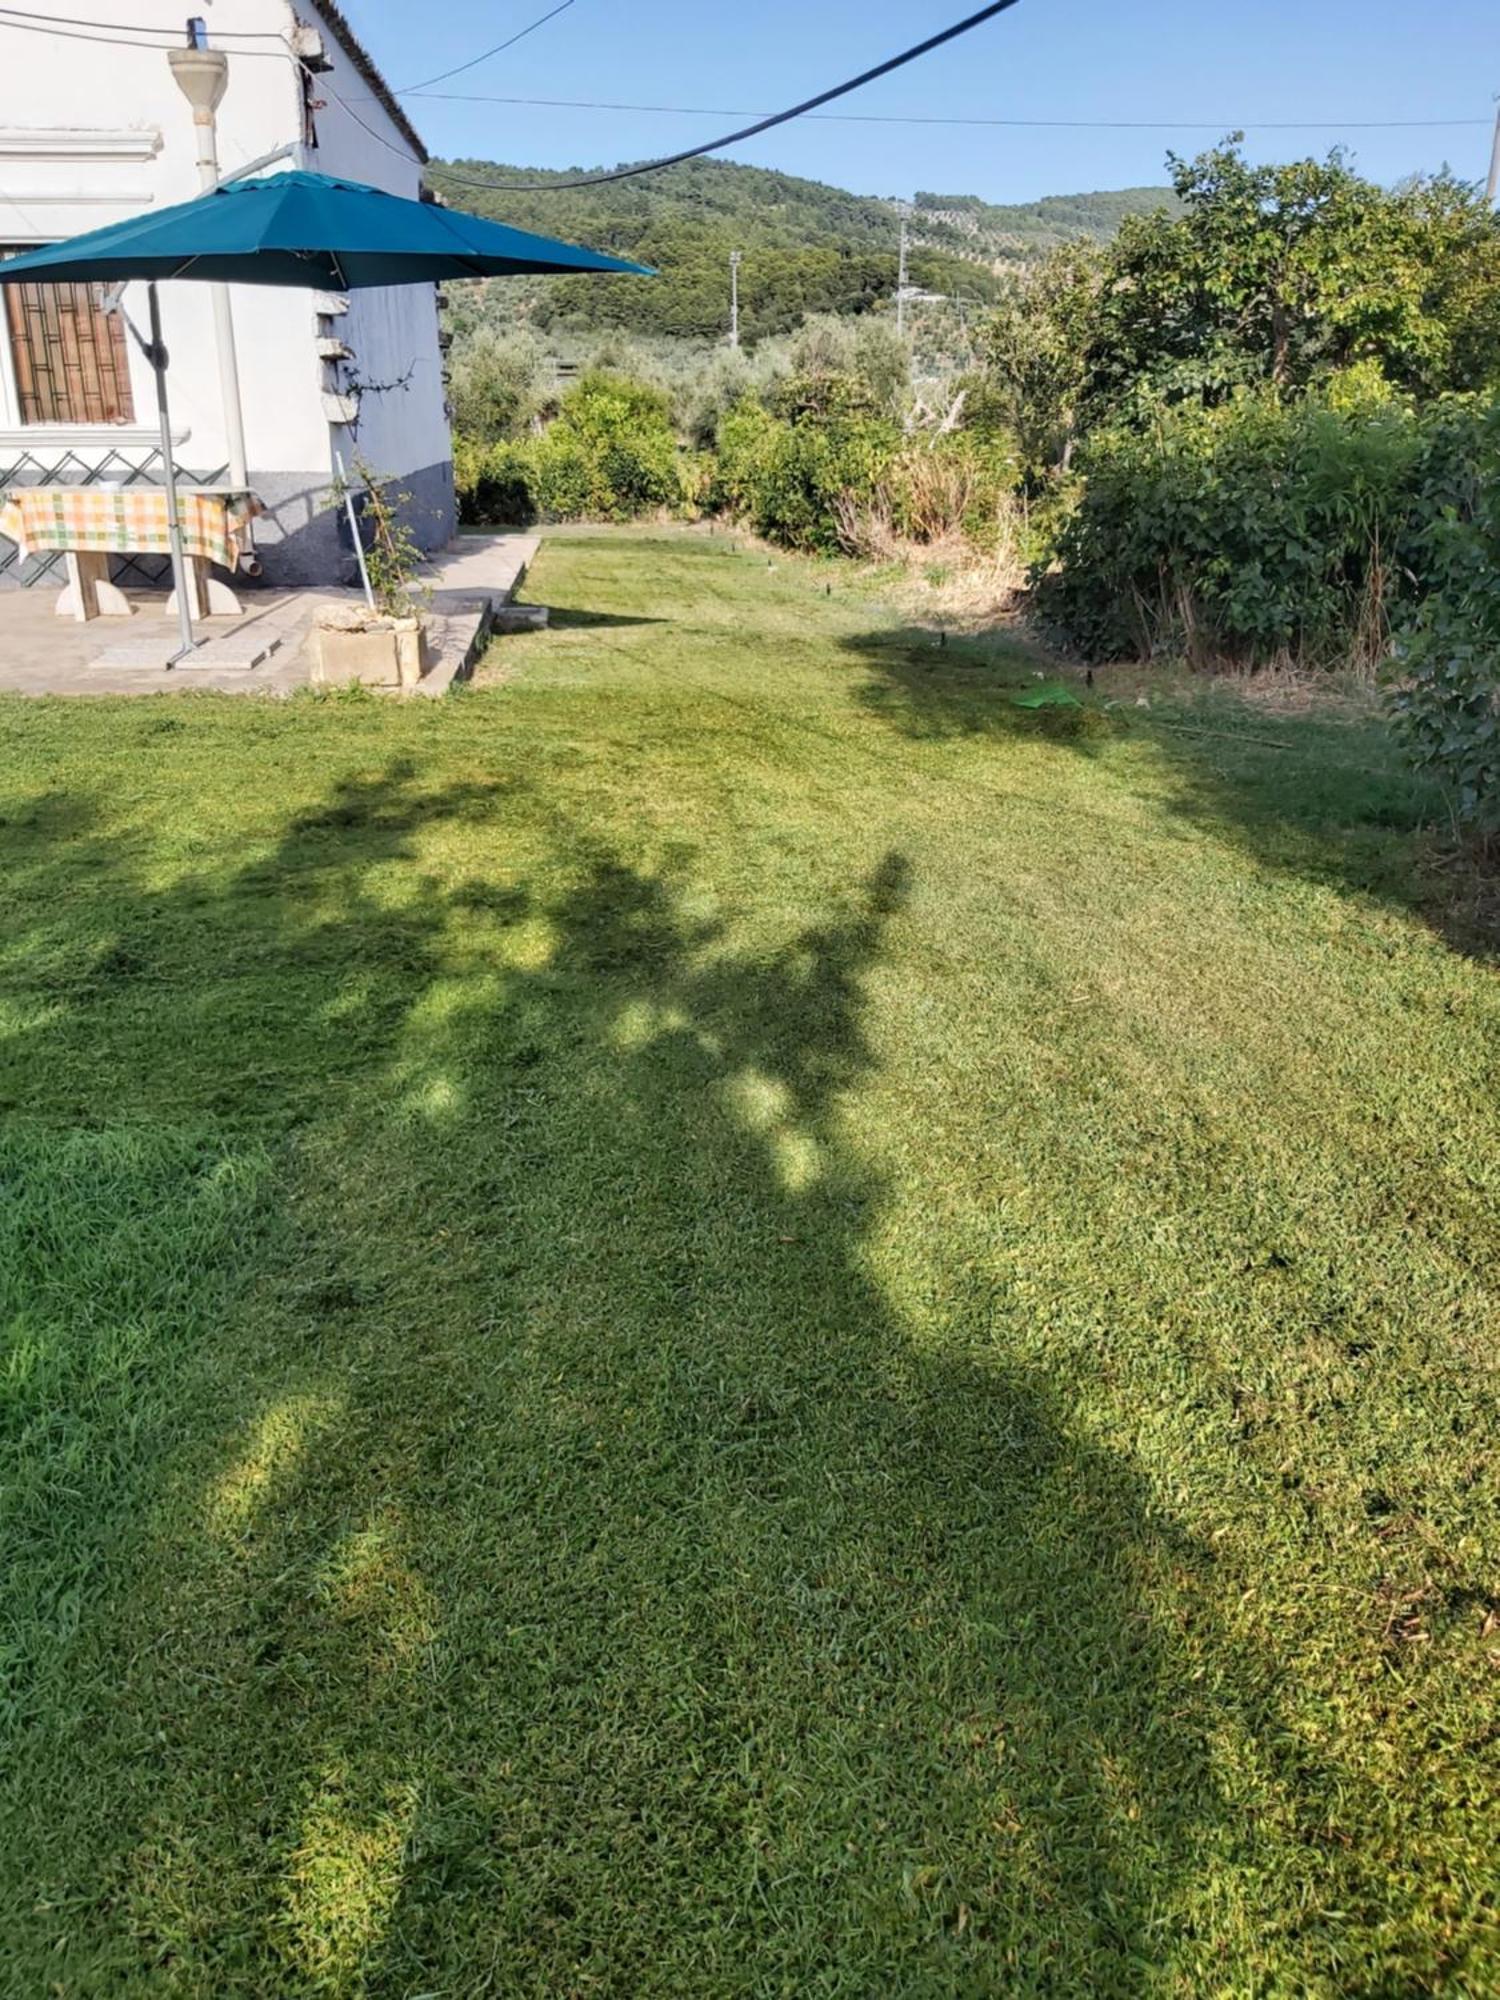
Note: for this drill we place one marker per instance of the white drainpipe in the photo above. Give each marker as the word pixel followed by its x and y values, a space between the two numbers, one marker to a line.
pixel 203 76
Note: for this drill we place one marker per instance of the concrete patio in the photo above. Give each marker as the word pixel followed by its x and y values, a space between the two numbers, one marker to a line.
pixel 43 654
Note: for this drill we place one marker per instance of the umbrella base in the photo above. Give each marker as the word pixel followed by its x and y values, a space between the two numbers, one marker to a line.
pixel 226 652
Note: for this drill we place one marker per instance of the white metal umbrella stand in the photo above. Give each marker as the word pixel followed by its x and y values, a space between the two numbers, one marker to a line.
pixel 352 512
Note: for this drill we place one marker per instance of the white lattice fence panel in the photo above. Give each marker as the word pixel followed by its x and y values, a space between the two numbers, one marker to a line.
pixel 140 467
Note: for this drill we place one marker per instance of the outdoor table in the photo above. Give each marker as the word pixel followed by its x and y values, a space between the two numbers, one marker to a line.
pixel 89 524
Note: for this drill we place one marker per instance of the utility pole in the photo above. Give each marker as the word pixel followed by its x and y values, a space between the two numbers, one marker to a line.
pixel 1494 181
pixel 901 282
pixel 734 298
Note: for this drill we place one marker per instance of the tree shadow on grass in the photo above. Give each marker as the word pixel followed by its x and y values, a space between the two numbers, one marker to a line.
pixel 931 685
pixel 556 1565
pixel 1321 793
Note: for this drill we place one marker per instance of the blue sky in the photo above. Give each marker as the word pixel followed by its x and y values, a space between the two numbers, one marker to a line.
pixel 1238 60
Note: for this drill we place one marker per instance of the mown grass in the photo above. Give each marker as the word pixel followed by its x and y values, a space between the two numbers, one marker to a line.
pixel 724 1319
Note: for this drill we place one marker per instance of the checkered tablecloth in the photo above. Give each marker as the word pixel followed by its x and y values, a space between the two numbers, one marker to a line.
pixel 129 520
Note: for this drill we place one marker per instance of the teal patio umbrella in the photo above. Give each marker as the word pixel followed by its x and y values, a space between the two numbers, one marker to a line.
pixel 293 229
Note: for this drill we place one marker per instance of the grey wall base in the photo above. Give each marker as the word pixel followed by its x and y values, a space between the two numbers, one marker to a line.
pixel 303 538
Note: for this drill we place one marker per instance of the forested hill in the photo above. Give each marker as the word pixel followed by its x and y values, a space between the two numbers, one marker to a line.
pixel 1027 229
pixel 807 247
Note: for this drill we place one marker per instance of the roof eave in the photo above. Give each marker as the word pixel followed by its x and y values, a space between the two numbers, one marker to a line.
pixel 364 62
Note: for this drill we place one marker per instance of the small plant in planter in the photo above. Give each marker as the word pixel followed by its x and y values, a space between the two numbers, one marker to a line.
pixel 380 645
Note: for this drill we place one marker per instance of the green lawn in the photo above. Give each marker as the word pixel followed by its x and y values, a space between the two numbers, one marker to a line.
pixel 725 1319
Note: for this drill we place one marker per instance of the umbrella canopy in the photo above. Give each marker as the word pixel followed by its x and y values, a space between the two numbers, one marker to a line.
pixel 310 230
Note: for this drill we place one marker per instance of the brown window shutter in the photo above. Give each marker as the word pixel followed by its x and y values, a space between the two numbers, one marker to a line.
pixel 69 354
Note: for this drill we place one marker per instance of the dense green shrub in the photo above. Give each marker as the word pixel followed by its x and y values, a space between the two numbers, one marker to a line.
pixel 1258 529
pixel 610 454
pixel 495 482
pixel 786 471
pixel 797 456
pixel 1446 674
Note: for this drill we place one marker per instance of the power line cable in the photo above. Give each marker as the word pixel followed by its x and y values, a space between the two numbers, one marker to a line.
pixel 124 34
pixel 155 28
pixel 653 166
pixel 761 124
pixel 319 78
pixel 26 20
pixel 911 118
pixel 37 25
pixel 68 27
pixel 410 89
pixel 78 35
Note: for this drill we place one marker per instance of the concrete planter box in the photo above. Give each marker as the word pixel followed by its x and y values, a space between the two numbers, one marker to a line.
pixel 358 645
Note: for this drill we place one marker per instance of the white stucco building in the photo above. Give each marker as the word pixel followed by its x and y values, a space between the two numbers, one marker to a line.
pixel 94 129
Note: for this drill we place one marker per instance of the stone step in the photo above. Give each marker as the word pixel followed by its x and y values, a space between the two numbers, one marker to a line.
pixel 491 566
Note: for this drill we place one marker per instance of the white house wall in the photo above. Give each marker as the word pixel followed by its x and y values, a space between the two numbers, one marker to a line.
pixel 93 133
pixel 392 329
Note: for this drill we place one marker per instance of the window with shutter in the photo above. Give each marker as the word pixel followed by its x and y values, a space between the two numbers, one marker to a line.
pixel 70 360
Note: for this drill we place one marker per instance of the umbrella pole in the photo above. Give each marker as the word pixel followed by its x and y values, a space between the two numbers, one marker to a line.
pixel 174 524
